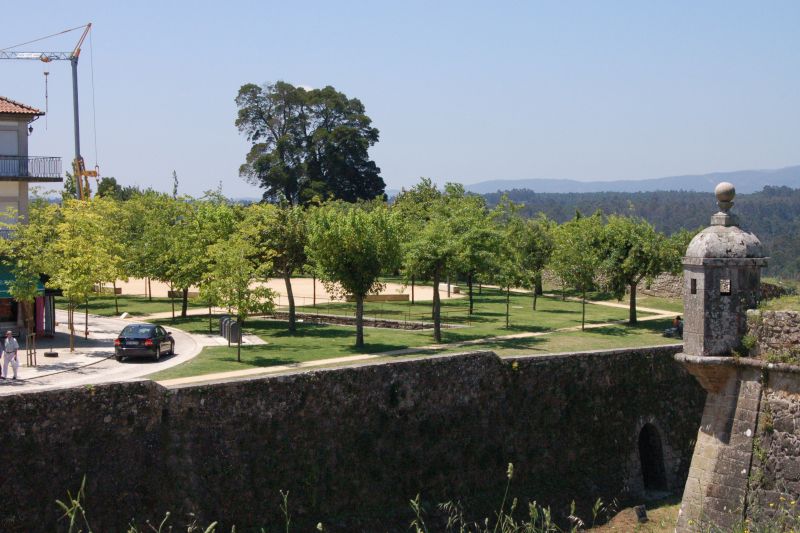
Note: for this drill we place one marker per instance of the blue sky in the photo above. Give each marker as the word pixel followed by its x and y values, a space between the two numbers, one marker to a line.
pixel 460 91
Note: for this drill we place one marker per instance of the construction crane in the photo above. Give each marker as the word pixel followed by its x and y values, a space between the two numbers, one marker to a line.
pixel 78 166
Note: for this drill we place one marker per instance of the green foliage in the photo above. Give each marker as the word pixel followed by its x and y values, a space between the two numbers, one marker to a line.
pixel 279 234
pixel 307 144
pixel 577 253
pixel 772 214
pixel 749 342
pixel 350 246
pixel 231 281
pixel 84 252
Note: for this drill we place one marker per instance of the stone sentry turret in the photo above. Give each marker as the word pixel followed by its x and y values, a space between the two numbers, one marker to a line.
pixel 722 273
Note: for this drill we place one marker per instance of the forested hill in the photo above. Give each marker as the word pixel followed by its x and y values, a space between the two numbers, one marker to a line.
pixel 772 214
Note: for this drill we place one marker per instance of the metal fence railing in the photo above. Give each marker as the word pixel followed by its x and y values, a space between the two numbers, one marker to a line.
pixel 16 166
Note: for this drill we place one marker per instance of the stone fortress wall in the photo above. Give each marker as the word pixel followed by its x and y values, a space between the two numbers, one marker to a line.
pixel 354 445
pixel 776 332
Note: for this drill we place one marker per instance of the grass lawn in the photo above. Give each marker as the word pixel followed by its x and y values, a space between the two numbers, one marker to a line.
pixel 606 337
pixel 489 317
pixel 314 342
pixel 133 305
pixel 310 342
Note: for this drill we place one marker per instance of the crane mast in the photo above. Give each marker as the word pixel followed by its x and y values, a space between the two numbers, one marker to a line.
pixel 78 165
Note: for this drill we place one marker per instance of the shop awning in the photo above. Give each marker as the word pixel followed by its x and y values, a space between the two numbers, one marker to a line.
pixel 7 277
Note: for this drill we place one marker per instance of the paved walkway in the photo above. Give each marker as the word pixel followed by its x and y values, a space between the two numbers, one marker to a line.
pixel 93 360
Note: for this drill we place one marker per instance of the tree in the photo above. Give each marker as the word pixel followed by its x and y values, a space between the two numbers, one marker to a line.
pixel 70 190
pixel 109 188
pixel 534 246
pixel 431 251
pixel 195 226
pixel 81 255
pixel 414 208
pixel 279 235
pixel 26 254
pixel 632 251
pixel 231 282
pixel 577 254
pixel 350 246
pixel 307 144
pixel 478 239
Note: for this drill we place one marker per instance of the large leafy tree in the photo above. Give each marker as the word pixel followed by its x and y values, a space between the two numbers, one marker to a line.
pixel 81 256
pixel 431 249
pixel 231 281
pixel 479 240
pixel 577 254
pixel 279 235
pixel 350 246
pixel 195 226
pixel 415 207
pixel 307 144
pixel 632 250
pixel 534 246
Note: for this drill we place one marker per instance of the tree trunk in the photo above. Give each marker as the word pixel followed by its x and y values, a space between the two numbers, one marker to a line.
pixel 508 304
pixel 240 323
pixel 437 318
pixel 71 323
pixel 534 299
pixel 287 278
pixel 172 300
pixel 469 289
pixel 563 292
pixel 448 286
pixel 359 320
pixel 184 302
pixel 412 290
pixel 116 300
pixel 537 284
pixel 583 311
pixel 86 320
pixel 209 319
pixel 314 291
pixel 632 311
pixel 149 291
pixel 480 288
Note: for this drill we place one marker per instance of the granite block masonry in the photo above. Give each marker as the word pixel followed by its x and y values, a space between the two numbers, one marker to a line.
pixel 354 445
pixel 743 461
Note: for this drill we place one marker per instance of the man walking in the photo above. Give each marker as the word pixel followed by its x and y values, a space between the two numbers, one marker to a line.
pixel 10 348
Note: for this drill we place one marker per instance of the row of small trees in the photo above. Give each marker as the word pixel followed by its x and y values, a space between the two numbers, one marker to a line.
pixel 229 250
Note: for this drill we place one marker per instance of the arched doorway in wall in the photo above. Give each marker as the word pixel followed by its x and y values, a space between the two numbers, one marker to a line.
pixel 651 455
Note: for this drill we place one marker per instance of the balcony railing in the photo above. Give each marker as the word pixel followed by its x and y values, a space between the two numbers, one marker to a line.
pixel 15 166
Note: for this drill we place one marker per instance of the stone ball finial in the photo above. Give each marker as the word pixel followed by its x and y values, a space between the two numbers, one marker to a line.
pixel 725 193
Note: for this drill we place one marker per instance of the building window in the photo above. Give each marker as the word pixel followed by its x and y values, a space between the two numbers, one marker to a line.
pixel 725 287
pixel 694 286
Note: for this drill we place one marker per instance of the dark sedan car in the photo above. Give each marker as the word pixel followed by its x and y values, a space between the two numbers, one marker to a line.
pixel 143 340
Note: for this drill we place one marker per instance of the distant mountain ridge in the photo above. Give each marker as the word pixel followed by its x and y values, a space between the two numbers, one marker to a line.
pixel 746 181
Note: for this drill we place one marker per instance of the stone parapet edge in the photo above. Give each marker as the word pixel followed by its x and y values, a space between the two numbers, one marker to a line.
pixel 744 362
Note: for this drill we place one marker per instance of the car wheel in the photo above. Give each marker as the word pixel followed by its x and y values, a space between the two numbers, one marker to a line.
pixel 119 358
pixel 157 356
pixel 172 348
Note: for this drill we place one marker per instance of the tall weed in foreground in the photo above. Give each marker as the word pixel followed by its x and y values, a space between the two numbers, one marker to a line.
pixel 539 518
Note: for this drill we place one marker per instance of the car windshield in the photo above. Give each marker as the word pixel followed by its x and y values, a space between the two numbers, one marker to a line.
pixel 137 331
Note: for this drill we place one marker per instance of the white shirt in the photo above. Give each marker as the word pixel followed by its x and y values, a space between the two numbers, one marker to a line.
pixel 11 345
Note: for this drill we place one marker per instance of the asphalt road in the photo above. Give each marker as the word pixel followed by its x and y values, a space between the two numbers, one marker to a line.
pixel 93 360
